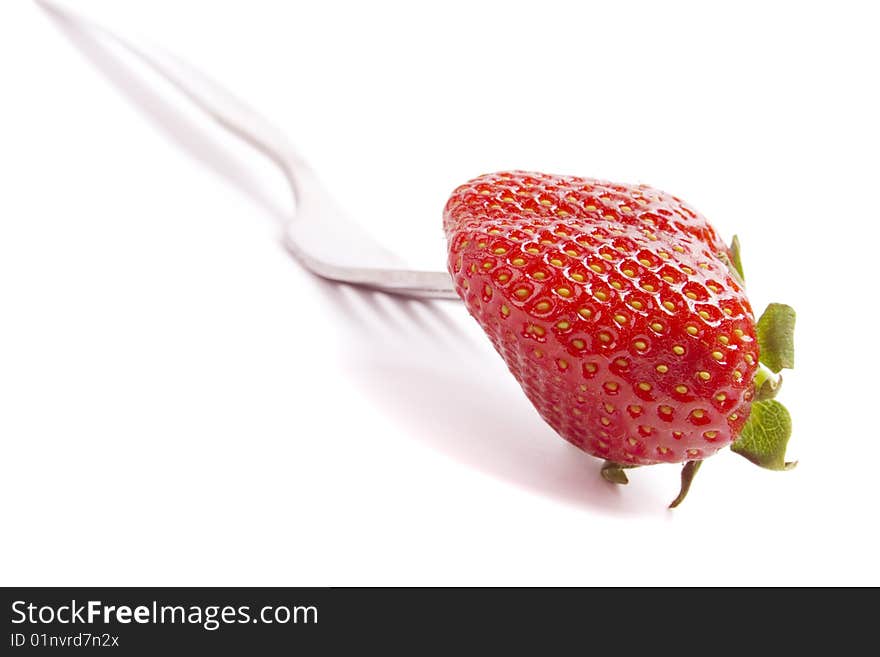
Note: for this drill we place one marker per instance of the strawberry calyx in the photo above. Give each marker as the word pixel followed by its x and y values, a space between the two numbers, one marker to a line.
pixel 688 472
pixel 764 437
pixel 613 472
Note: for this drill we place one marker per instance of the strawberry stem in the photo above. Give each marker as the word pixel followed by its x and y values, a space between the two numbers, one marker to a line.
pixel 687 476
pixel 767 384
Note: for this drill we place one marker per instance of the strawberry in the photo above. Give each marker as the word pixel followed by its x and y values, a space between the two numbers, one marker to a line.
pixel 617 308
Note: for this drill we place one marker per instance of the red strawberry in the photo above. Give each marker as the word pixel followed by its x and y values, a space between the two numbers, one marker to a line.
pixel 614 306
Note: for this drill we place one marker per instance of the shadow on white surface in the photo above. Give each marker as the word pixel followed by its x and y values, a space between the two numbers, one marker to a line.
pixel 452 392
pixel 442 384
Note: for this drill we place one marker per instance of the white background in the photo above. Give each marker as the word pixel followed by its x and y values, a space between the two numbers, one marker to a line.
pixel 180 403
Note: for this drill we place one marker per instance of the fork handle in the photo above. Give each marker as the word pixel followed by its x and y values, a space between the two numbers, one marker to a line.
pixel 319 233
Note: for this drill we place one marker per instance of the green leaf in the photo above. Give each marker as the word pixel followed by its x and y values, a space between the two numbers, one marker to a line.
pixel 775 332
pixel 688 472
pixel 614 472
pixel 731 259
pixel 736 258
pixel 765 436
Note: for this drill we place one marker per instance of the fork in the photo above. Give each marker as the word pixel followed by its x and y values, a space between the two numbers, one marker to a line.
pixel 318 235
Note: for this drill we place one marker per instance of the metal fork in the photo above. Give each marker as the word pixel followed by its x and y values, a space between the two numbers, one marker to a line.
pixel 318 235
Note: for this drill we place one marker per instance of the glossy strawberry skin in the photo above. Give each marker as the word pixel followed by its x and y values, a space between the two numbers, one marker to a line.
pixel 613 307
